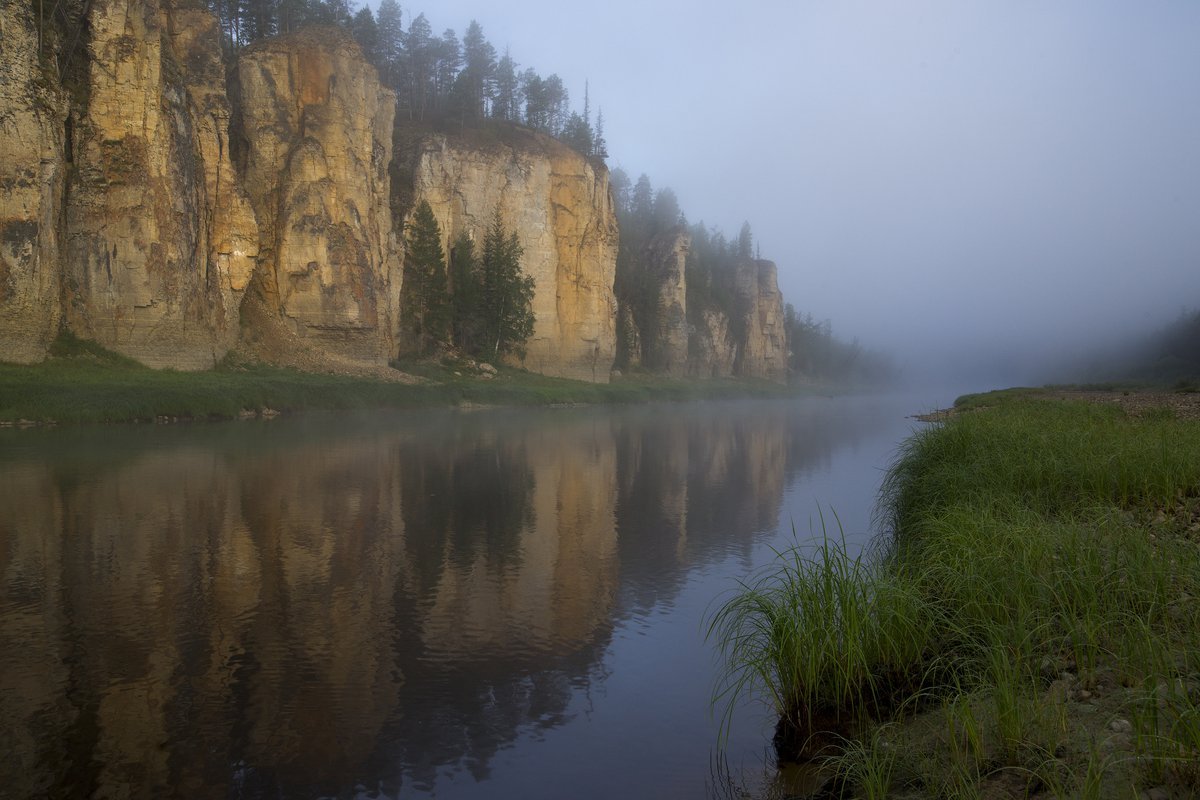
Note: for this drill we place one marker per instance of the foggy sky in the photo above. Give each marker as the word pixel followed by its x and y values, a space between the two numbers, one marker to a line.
pixel 936 177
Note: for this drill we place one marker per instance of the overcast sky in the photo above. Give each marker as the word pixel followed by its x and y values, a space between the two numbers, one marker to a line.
pixel 933 176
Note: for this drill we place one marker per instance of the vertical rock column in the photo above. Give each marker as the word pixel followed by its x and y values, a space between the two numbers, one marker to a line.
pixel 764 343
pixel 318 128
pixel 161 244
pixel 32 112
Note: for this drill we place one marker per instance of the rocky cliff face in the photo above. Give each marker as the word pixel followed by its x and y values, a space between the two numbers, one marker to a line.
pixel 662 330
pixel 712 347
pixel 32 113
pixel 763 351
pixel 152 251
pixel 318 132
pixel 154 216
pixel 161 242
pixel 560 206
pixel 742 334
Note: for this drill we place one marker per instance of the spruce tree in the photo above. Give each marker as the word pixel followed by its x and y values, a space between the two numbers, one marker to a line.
pixel 506 295
pixel 599 145
pixel 425 310
pixel 577 135
pixel 464 298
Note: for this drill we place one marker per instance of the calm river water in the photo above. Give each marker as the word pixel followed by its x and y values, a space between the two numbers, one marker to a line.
pixel 499 604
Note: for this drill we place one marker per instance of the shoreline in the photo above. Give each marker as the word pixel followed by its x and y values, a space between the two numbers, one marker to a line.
pixel 92 388
pixel 1030 629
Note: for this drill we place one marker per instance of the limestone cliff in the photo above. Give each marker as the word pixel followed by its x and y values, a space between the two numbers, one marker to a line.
pixel 731 326
pixel 161 242
pixel 763 351
pixel 32 112
pixel 171 214
pixel 318 133
pixel 560 207
pixel 657 305
pixel 712 349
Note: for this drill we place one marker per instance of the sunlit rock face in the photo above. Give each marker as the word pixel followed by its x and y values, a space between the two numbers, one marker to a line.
pixel 161 242
pixel 560 207
pixel 32 113
pixel 318 134
pixel 763 353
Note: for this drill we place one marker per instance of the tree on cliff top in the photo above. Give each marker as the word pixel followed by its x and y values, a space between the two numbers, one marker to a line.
pixel 475 84
pixel 425 303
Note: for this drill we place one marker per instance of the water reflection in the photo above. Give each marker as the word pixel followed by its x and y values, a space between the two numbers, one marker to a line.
pixel 313 605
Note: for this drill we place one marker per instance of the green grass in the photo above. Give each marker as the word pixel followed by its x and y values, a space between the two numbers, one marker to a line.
pixel 82 382
pixel 1043 552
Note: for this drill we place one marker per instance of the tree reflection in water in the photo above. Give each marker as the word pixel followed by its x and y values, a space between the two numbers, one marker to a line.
pixel 312 605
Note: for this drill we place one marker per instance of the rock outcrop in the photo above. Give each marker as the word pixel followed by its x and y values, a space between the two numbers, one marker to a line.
pixel 661 329
pixel 560 207
pixel 161 242
pixel 318 131
pixel 733 328
pixel 713 349
pixel 763 351
pixel 32 114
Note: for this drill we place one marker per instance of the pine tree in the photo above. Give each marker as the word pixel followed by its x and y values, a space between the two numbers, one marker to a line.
pixel 534 89
pixel 475 82
pixel 425 306
pixel 366 32
pixel 558 104
pixel 449 62
pixel 508 89
pixel 259 19
pixel 389 32
pixel 505 294
pixel 419 64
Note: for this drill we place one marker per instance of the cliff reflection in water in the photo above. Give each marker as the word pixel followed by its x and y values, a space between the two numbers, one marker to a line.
pixel 309 605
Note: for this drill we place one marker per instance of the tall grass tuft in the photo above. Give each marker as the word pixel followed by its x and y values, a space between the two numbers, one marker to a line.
pixel 824 635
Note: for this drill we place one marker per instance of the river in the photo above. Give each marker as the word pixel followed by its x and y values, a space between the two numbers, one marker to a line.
pixel 452 604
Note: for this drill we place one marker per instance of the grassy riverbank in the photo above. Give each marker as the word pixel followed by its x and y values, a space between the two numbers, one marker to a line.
pixel 1033 628
pixel 84 383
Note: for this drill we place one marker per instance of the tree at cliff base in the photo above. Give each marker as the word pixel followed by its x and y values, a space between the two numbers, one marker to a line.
pixel 505 293
pixel 491 299
pixel 425 301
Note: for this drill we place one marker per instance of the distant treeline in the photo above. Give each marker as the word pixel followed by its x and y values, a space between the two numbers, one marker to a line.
pixel 1168 356
pixel 644 214
pixel 433 76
